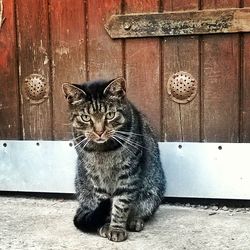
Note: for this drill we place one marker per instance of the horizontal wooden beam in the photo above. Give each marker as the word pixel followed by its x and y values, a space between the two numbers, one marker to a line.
pixel 179 23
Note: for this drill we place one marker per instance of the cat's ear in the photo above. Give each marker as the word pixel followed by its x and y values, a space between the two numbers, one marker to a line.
pixel 116 88
pixel 73 94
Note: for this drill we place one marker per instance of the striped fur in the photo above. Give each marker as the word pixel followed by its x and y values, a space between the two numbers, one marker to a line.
pixel 119 181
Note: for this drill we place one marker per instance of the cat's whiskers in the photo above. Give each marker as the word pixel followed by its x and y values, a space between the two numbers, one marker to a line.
pixel 86 144
pixel 79 143
pixel 122 144
pixel 128 133
pixel 75 138
pixel 81 150
pixel 129 140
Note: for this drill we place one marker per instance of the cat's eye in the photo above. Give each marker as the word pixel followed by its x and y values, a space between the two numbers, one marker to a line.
pixel 110 115
pixel 85 118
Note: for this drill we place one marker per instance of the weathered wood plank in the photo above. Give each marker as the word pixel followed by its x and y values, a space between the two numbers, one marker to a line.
pixel 68 42
pixel 104 54
pixel 33 58
pixel 143 69
pixel 9 97
pixel 179 23
pixel 245 112
pixel 220 75
pixel 181 122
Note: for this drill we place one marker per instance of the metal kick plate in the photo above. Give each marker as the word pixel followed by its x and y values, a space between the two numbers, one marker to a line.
pixel 200 170
pixel 37 166
pixel 207 170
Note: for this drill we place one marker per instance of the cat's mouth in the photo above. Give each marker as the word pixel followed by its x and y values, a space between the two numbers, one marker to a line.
pixel 100 140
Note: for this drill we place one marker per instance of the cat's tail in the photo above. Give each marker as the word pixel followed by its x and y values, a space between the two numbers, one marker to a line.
pixel 91 221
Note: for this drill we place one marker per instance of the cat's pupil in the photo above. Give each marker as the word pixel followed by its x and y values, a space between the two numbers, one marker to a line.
pixel 86 118
pixel 110 115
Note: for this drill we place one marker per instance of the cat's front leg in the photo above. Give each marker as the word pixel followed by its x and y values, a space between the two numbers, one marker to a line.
pixel 119 216
pixel 122 199
pixel 116 229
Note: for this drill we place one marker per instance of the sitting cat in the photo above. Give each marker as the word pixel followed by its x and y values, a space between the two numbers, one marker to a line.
pixel 119 182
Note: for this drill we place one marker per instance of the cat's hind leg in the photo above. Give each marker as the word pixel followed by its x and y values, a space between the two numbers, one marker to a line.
pixel 135 224
pixel 141 211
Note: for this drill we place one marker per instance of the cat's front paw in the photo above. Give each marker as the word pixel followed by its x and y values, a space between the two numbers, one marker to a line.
pixel 103 231
pixel 117 234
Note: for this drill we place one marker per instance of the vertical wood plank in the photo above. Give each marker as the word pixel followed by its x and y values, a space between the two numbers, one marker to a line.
pixel 32 19
pixel 220 73
pixel 104 54
pixel 68 42
pixel 181 122
pixel 9 98
pixel 245 129
pixel 143 68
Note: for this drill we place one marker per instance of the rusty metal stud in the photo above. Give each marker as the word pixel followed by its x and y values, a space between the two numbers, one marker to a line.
pixel 182 87
pixel 35 88
pixel 127 26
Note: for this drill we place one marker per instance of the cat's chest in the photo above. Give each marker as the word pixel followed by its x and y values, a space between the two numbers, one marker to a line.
pixel 105 160
pixel 105 168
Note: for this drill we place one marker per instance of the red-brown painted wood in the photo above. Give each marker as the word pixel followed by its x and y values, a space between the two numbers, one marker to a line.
pixel 68 42
pixel 181 122
pixel 32 19
pixel 176 5
pixel 104 54
pixel 9 97
pixel 79 52
pixel 142 58
pixel 220 75
pixel 245 95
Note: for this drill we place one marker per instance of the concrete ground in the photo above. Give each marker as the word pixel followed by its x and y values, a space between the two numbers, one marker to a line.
pixel 32 223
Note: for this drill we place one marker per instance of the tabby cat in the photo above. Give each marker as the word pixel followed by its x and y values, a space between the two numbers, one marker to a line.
pixel 119 182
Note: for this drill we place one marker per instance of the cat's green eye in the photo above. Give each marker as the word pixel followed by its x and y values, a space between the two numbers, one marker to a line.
pixel 85 118
pixel 110 115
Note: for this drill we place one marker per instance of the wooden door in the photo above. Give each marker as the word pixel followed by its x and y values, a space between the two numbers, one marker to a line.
pixel 56 41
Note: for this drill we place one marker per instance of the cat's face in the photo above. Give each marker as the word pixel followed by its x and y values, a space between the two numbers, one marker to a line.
pixel 101 124
pixel 97 111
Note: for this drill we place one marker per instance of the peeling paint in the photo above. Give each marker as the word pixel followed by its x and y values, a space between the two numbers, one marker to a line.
pixel 46 60
pixel 19 70
pixel 41 48
pixel 62 50
pixel 2 18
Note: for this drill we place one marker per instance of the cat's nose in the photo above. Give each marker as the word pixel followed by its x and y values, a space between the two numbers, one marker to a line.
pixel 99 132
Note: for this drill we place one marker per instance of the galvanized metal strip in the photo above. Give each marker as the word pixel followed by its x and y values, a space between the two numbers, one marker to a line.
pixel 207 170
pixel 37 166
pixel 200 170
pixel 179 23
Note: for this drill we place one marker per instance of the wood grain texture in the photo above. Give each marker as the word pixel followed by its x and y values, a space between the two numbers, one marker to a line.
pixel 245 108
pixel 220 74
pixel 9 97
pixel 143 68
pixel 104 54
pixel 68 40
pixel 181 122
pixel 32 19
